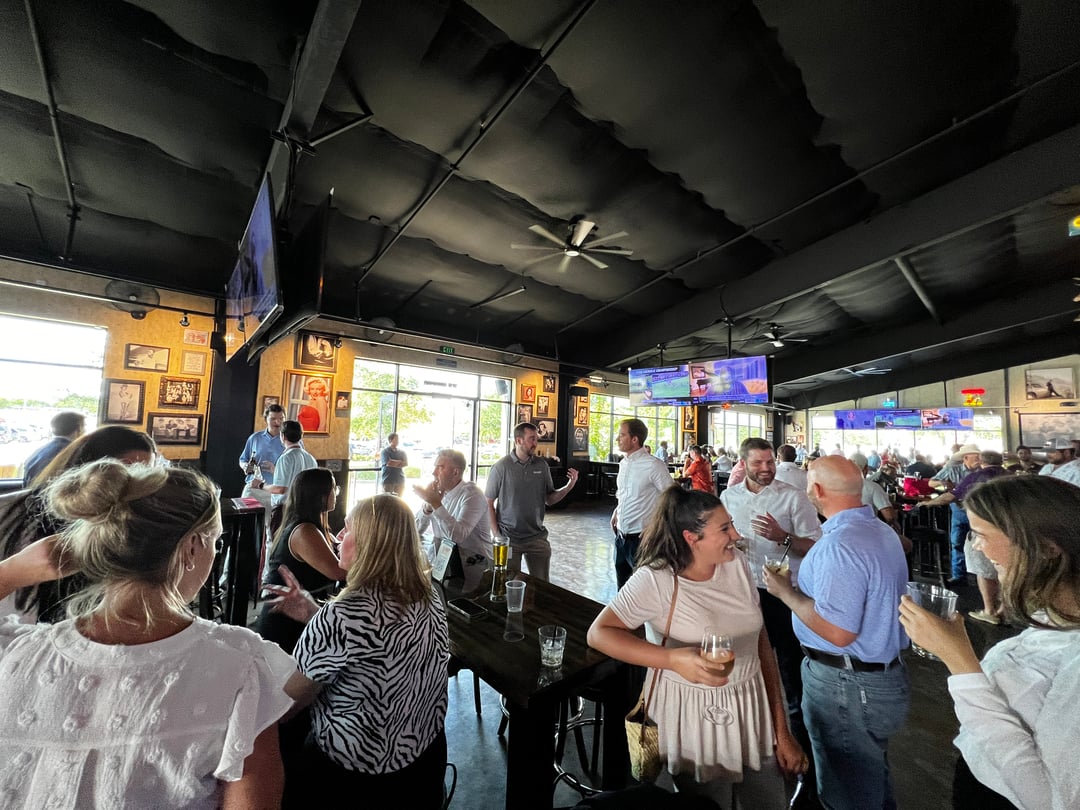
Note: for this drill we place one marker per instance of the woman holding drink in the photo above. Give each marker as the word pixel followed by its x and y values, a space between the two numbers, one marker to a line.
pixel 718 701
pixel 1018 717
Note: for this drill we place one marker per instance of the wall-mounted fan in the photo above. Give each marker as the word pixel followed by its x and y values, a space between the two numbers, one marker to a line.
pixel 135 299
pixel 575 245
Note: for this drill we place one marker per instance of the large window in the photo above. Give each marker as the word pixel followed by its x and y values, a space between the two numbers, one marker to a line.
pixel 45 367
pixel 430 409
pixel 608 411
pixel 728 428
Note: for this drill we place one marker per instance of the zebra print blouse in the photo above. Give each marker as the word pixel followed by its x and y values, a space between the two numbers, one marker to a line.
pixel 383 670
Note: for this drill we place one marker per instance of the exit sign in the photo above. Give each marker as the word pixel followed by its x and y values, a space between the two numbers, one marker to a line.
pixel 446 349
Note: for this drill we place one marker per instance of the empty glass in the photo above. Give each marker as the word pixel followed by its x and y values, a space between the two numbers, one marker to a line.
pixel 938 600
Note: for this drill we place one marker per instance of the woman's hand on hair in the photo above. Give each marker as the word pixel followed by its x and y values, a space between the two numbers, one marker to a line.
pixel 291 600
pixel 696 668
pixel 947 639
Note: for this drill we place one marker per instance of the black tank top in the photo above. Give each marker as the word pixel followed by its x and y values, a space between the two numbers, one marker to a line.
pixel 310 578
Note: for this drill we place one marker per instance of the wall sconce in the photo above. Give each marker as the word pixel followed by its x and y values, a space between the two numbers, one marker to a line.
pixel 185 321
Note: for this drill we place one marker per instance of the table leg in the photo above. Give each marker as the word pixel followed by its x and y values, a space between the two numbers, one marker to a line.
pixel 530 759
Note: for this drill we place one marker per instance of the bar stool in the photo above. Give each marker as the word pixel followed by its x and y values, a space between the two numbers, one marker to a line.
pixel 453 668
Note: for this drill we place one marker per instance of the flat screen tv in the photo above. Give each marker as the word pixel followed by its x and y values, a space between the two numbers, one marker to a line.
pixel 253 294
pixel 948 418
pixel 664 385
pixel 739 380
pixel 855 420
pixel 301 260
pixel 898 418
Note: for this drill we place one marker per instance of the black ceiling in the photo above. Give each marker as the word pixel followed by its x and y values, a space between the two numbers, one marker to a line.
pixel 888 181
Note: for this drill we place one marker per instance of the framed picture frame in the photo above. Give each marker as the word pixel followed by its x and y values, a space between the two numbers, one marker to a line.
pixel 1036 429
pixel 343 403
pixel 524 413
pixel 193 363
pixel 122 402
pixel 140 357
pixel 269 400
pixel 316 352
pixel 581 416
pixel 528 394
pixel 582 401
pixel 549 383
pixel 689 419
pixel 308 399
pixel 1049 383
pixel 196 337
pixel 545 430
pixel 179 392
pixel 543 402
pixel 175 428
pixel 579 442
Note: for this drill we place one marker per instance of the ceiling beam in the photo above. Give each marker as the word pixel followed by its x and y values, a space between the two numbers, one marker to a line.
pixel 990 193
pixel 962 364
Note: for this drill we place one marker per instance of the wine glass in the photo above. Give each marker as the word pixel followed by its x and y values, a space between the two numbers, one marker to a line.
pixel 717 646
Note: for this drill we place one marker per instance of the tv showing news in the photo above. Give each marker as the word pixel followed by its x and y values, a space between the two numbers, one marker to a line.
pixel 253 294
pixel 665 385
pixel 855 420
pixel 739 380
pixel 902 418
pixel 948 418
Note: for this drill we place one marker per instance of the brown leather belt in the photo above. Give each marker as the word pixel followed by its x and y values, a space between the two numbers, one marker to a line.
pixel 847 661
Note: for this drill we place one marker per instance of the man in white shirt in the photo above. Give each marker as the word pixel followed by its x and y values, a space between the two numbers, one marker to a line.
pixel 787 470
pixel 293 460
pixel 772 516
pixel 641 479
pixel 1061 464
pixel 455 509
pixel 872 494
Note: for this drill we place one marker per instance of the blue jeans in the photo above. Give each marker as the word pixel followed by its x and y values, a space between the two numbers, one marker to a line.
pixel 850 717
pixel 958 532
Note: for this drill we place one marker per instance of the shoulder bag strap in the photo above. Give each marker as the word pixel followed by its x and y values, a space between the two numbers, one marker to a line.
pixel 667 631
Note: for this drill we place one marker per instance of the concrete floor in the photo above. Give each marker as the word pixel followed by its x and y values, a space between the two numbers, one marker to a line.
pixel 922 755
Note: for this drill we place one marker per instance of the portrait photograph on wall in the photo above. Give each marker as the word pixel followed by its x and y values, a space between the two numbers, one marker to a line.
pixel 307 400
pixel 524 413
pixel 343 403
pixel 316 352
pixel 549 383
pixel 178 392
pixel 122 401
pixel 1049 383
pixel 528 393
pixel 689 419
pixel 580 441
pixel 545 430
pixel 543 402
pixel 581 416
pixel 175 428
pixel 268 400
pixel 146 358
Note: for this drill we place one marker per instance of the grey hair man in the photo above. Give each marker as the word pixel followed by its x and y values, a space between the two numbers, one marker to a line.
pixel 456 510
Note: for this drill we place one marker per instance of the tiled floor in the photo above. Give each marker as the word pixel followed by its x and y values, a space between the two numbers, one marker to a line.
pixel 922 756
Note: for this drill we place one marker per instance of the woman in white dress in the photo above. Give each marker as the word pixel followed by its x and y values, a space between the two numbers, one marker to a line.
pixel 724 737
pixel 133 701
pixel 1018 714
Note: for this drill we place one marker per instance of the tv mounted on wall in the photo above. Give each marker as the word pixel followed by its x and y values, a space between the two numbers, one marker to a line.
pixel 253 294
pixel 948 418
pixel 854 419
pixel 663 385
pixel 738 380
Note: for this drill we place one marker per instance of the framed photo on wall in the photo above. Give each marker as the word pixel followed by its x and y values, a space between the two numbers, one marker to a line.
pixel 193 363
pixel 343 403
pixel 524 413
pixel 268 400
pixel 196 337
pixel 1049 383
pixel 581 416
pixel 543 402
pixel 316 352
pixel 1036 429
pixel 175 428
pixel 549 383
pixel 179 392
pixel 307 400
pixel 528 394
pixel 122 401
pixel 580 441
pixel 146 358
pixel 689 419
pixel 545 430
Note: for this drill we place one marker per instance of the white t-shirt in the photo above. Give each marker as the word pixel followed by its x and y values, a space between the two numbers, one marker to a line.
pixel 88 725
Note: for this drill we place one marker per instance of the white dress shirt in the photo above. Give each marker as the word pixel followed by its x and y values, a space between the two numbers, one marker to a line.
pixel 791 473
pixel 792 510
pixel 640 481
pixel 463 518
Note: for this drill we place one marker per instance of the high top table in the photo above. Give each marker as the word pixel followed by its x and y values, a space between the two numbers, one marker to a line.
pixel 533 693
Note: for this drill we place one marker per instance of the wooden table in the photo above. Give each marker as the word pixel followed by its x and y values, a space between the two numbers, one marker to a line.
pixel 532 693
pixel 233 582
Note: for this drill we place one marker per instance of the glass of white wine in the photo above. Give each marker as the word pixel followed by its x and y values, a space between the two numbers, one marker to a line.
pixel 717 646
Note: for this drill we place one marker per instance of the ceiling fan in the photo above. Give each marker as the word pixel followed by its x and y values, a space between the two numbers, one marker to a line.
pixel 863 372
pixel 574 245
pixel 775 335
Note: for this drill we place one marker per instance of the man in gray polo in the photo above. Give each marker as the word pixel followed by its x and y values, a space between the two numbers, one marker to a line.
pixel 519 489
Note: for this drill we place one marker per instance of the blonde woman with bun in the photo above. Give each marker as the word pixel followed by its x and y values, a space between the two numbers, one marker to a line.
pixel 133 701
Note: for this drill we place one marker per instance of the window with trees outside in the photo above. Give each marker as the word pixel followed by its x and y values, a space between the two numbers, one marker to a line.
pixel 430 409
pixel 45 367
pixel 606 412
pixel 728 428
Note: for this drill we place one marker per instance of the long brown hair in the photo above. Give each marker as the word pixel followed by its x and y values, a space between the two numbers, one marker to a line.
pixel 1039 514
pixel 388 553
pixel 679 510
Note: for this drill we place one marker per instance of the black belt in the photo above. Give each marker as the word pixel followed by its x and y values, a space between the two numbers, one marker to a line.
pixel 847 661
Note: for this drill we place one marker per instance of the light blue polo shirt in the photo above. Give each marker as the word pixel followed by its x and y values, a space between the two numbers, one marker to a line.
pixel 267 448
